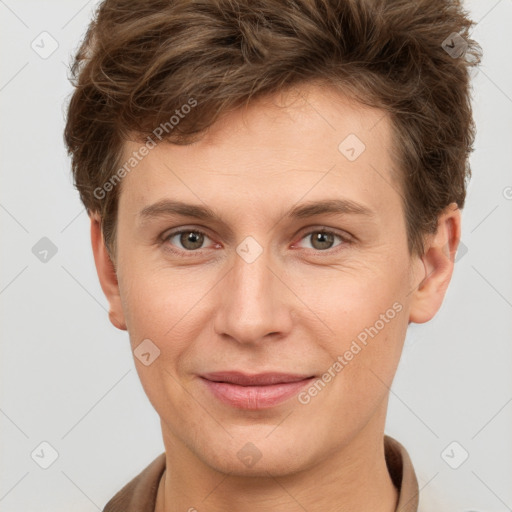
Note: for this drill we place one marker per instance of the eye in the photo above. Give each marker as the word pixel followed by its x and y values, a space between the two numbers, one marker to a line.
pixel 190 239
pixel 323 240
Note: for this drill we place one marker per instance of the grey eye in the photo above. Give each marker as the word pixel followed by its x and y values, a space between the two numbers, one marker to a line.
pixel 190 240
pixel 321 240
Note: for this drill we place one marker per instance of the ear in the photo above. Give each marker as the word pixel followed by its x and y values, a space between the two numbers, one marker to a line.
pixel 438 262
pixel 106 273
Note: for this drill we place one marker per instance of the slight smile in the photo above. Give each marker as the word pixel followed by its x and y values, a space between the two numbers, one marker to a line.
pixel 258 391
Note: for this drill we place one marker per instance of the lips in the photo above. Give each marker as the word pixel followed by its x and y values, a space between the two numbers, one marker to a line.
pixel 261 379
pixel 259 391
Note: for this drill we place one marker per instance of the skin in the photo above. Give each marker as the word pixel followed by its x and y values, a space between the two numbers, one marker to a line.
pixel 295 309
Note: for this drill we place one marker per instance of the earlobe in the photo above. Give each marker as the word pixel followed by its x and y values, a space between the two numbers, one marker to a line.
pixel 106 274
pixel 438 262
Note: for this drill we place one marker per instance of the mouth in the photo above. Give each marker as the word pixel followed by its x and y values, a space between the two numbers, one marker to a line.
pixel 254 392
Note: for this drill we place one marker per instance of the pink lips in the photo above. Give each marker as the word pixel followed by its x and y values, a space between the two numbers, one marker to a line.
pixel 254 391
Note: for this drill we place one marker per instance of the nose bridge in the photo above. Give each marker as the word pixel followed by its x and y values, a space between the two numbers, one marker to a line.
pixel 252 302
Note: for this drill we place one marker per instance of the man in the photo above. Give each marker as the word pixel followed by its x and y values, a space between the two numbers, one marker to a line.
pixel 274 191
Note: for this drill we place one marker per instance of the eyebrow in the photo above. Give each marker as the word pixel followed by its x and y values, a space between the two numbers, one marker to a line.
pixel 168 207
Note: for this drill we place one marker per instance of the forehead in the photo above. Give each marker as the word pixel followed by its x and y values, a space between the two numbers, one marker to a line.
pixel 307 144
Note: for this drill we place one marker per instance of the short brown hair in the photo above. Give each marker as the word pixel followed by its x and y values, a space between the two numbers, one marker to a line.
pixel 141 61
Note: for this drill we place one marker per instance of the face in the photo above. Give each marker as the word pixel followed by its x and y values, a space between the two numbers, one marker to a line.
pixel 301 268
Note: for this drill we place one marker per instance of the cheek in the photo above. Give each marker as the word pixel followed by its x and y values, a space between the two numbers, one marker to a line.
pixel 154 299
pixel 358 374
pixel 368 320
pixel 159 310
pixel 355 298
pixel 168 308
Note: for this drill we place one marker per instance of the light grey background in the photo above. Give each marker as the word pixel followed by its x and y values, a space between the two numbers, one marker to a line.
pixel 68 377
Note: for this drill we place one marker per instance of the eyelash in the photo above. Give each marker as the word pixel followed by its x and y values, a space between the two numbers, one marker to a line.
pixel 346 240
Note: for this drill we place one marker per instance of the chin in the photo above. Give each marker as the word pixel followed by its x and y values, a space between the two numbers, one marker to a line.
pixel 255 459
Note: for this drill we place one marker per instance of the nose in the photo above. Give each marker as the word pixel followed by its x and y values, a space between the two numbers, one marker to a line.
pixel 254 302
